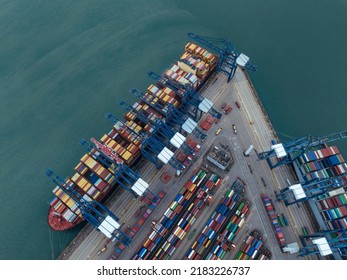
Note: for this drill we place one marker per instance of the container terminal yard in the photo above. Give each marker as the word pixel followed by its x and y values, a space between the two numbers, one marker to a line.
pixel 195 170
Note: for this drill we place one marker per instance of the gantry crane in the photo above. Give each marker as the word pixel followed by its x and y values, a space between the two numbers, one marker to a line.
pixel 192 102
pixel 325 243
pixel 290 151
pixel 302 192
pixel 149 100
pixel 172 115
pixel 188 104
pixel 163 132
pixel 229 59
pixel 92 211
pixel 152 146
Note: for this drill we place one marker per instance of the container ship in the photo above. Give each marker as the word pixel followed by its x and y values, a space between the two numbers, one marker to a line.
pixel 92 179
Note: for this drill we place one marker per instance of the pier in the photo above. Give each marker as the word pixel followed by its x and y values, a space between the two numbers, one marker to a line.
pixel 253 127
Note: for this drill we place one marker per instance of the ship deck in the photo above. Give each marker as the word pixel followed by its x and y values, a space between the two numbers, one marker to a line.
pixel 253 127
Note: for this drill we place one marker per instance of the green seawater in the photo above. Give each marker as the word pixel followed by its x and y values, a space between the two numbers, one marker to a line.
pixel 64 64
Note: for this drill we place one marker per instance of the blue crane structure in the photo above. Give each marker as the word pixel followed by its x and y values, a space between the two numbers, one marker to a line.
pixel 185 124
pixel 149 100
pixel 192 102
pixel 173 117
pixel 302 192
pixel 229 59
pixel 152 146
pixel 114 119
pixel 161 127
pixel 188 104
pixel 92 211
pixel 140 117
pixel 124 176
pixel 325 243
pixel 296 148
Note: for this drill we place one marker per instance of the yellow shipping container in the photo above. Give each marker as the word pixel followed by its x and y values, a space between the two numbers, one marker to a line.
pixel 127 155
pixel 192 187
pixel 183 234
pixel 158 252
pixel 96 195
pixel 166 247
pixel 186 67
pixel 207 243
pixel 70 203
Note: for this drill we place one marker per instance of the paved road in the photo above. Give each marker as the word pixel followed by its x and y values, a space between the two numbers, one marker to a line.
pixel 253 128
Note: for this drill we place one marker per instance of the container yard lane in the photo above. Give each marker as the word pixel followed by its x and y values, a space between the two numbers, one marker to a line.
pixel 246 124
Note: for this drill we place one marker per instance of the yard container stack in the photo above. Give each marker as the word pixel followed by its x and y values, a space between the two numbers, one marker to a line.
pixel 152 246
pixel 138 225
pixel 264 254
pixel 215 224
pixel 120 248
pixel 224 240
pixel 189 217
pixel 145 215
pixel 252 248
pixel 273 219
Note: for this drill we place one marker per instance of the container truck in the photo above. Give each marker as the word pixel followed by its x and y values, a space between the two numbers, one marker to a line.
pixel 248 151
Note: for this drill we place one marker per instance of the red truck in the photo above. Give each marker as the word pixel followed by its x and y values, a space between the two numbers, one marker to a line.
pixel 227 109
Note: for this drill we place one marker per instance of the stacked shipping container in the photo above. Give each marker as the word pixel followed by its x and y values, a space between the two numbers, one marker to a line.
pixel 202 54
pixel 178 218
pixel 327 163
pixel 194 65
pixel 188 218
pixel 270 209
pixel 124 141
pixel 253 249
pixel 216 223
pixel 151 245
pixel 224 240
pixel 138 224
pixel 162 96
pixel 321 164
pixel 333 209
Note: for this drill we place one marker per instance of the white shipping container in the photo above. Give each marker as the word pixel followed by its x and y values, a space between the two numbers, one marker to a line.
pixel 191 255
pixel 254 254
